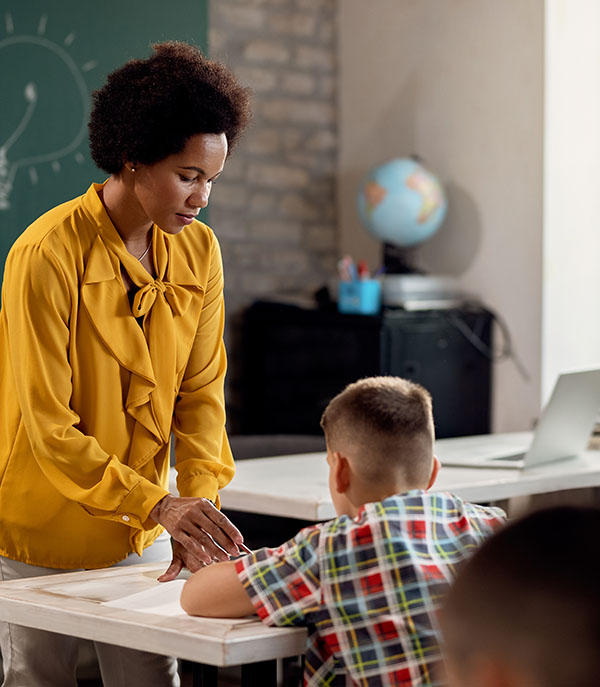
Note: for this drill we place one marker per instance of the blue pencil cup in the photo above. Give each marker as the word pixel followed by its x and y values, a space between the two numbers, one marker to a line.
pixel 359 297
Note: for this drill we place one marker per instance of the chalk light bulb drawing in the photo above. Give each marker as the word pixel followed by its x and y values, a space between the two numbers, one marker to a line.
pixel 35 98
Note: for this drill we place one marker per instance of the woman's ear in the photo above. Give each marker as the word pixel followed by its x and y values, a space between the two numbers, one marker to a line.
pixel 129 166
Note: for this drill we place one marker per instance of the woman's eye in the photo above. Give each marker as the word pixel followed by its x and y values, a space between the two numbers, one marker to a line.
pixel 184 178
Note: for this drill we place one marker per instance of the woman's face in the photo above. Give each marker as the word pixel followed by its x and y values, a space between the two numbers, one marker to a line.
pixel 172 192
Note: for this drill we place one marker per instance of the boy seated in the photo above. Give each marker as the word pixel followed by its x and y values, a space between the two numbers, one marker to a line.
pixel 525 609
pixel 369 583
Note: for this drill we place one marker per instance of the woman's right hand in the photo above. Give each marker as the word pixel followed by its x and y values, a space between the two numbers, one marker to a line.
pixel 203 531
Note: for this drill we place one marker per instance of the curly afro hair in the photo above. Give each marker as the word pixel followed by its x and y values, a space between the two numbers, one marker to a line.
pixel 148 109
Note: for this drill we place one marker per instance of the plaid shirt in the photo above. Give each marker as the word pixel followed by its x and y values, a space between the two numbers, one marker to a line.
pixel 369 588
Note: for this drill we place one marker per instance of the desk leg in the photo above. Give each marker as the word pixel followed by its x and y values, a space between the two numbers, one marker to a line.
pixel 263 673
pixel 204 676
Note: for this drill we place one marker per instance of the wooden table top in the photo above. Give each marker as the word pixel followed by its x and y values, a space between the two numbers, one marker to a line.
pixel 77 604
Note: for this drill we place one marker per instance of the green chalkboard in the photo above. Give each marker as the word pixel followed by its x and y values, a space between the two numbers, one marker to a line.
pixel 52 55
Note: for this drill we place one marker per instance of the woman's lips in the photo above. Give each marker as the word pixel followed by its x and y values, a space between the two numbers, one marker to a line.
pixel 186 219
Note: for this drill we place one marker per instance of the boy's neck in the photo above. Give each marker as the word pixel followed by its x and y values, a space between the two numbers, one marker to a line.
pixel 360 494
pixel 350 490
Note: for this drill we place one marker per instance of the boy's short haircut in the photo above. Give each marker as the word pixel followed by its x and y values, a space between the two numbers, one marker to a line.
pixel 388 421
pixel 530 597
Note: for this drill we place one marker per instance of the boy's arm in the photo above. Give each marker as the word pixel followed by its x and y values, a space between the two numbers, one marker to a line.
pixel 216 591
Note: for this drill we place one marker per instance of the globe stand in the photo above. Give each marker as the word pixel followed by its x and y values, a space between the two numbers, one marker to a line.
pixel 399 260
pixel 411 288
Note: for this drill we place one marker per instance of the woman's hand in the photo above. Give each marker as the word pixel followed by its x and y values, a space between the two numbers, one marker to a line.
pixel 204 532
pixel 181 559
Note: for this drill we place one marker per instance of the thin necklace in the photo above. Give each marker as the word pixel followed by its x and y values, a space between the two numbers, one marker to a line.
pixel 145 253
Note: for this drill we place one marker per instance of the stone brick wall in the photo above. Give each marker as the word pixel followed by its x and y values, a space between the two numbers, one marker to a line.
pixel 274 207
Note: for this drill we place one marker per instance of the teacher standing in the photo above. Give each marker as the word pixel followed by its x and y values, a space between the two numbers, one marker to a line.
pixel 111 340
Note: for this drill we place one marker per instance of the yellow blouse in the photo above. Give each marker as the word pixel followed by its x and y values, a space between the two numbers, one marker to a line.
pixel 90 394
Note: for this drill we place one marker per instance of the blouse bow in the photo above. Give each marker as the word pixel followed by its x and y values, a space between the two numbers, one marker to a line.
pixel 176 296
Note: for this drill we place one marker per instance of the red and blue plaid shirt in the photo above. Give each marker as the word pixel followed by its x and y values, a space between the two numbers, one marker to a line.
pixel 369 588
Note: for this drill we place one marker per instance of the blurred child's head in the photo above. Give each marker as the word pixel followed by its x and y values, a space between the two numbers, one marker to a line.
pixel 383 428
pixel 524 611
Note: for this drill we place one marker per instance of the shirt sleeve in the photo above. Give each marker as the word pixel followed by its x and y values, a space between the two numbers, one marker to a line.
pixel 485 519
pixel 284 584
pixel 38 300
pixel 204 462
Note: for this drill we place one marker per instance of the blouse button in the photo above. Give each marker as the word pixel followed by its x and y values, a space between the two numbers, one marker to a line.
pixel 125 518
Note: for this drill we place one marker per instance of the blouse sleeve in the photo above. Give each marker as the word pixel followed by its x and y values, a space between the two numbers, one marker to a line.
pixel 204 462
pixel 38 302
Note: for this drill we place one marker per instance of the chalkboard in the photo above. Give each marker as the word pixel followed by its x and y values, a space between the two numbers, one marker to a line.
pixel 52 55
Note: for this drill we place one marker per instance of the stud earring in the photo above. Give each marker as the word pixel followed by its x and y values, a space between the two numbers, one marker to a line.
pixel 133 169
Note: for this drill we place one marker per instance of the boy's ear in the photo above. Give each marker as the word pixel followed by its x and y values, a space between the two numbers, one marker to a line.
pixel 435 468
pixel 341 472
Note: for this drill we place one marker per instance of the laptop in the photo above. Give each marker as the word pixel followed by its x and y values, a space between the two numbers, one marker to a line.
pixel 563 430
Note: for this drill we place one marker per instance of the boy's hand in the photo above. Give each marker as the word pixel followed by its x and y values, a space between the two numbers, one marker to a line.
pixel 195 523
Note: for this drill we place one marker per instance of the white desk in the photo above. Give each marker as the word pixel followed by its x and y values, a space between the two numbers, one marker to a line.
pixel 71 603
pixel 297 486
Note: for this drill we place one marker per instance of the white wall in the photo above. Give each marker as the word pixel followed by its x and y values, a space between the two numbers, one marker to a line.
pixel 571 284
pixel 460 83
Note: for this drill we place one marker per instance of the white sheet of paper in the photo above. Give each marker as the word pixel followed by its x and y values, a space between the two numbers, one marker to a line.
pixel 162 599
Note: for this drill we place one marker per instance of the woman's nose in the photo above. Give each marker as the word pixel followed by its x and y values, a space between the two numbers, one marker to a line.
pixel 199 198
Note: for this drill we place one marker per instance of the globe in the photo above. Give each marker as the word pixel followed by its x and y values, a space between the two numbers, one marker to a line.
pixel 401 202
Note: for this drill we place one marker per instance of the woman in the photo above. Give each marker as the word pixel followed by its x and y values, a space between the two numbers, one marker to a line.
pixel 110 340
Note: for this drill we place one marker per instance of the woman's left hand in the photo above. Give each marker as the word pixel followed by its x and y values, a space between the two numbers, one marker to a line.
pixel 181 559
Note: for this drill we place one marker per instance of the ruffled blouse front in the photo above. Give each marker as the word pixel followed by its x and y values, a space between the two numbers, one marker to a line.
pixel 150 354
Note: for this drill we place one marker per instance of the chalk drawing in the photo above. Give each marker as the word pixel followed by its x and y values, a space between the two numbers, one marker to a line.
pixel 30 102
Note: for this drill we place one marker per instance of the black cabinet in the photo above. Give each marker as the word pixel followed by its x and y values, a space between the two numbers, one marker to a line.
pixel 295 360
